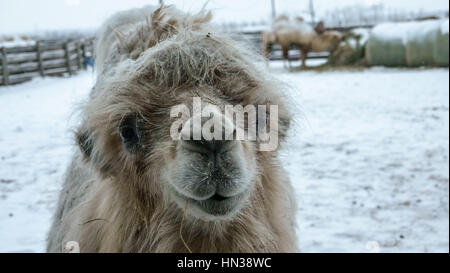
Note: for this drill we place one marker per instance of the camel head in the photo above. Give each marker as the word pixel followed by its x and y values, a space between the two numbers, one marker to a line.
pixel 334 38
pixel 158 128
pixel 327 41
pixel 268 39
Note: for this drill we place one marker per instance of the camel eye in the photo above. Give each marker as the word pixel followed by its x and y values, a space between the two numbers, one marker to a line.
pixel 129 132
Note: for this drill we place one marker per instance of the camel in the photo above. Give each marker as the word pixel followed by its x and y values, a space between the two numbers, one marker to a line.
pixel 276 35
pixel 298 33
pixel 132 187
pixel 328 41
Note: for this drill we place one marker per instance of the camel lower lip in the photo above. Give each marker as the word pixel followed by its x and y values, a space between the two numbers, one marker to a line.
pixel 216 205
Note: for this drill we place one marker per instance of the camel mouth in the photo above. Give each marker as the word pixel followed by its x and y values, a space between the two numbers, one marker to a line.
pixel 219 205
pixel 215 207
pixel 218 197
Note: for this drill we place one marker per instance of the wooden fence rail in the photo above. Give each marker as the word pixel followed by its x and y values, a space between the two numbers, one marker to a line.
pixel 22 63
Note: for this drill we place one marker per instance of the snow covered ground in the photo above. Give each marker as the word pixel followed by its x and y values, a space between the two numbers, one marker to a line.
pixel 35 147
pixel 368 157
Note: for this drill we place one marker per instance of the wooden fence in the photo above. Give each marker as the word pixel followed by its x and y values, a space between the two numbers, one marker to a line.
pixel 20 64
pixel 45 58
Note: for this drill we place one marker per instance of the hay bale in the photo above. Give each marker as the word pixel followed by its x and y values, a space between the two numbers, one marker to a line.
pixel 419 43
pixel 428 43
pixel 386 46
pixel 344 55
pixel 441 48
pixel 411 44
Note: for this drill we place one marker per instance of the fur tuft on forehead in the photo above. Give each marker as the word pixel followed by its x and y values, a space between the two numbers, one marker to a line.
pixel 127 34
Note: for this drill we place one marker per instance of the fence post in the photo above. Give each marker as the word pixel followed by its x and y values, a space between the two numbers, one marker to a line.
pixel 67 51
pixel 79 55
pixel 274 13
pixel 5 66
pixel 83 50
pixel 39 57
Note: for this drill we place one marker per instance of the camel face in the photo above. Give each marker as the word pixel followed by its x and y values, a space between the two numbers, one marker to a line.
pixel 336 39
pixel 214 174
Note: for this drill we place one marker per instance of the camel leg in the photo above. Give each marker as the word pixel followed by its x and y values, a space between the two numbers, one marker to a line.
pixel 285 51
pixel 304 54
pixel 288 59
pixel 266 54
pixel 267 51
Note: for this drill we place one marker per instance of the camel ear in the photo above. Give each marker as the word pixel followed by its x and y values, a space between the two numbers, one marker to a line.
pixel 85 142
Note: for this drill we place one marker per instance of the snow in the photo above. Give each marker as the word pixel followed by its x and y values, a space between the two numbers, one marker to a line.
pixel 406 32
pixel 368 157
pixel 363 34
pixel 369 160
pixel 35 147
pixel 388 31
pixel 14 41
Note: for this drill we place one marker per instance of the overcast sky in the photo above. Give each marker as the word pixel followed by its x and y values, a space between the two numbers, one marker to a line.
pixel 39 15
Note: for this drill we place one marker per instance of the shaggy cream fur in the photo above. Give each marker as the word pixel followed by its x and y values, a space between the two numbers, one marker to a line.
pixel 115 199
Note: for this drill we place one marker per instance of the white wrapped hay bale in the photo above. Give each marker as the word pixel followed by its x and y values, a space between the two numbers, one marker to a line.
pixel 442 47
pixel 386 45
pixel 411 44
pixel 426 44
